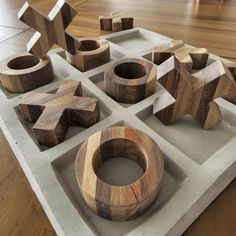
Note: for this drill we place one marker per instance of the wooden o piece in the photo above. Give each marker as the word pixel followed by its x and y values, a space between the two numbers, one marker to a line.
pixel 55 113
pixel 91 54
pixel 130 80
pixel 24 72
pixel 124 202
pixel 50 29
pixel 192 94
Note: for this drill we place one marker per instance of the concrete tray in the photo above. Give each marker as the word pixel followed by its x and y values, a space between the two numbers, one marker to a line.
pixel 199 164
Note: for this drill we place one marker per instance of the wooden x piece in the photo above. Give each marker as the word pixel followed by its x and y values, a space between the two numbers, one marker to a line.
pixel 192 58
pixel 50 29
pixel 116 22
pixel 192 94
pixel 231 95
pixel 55 113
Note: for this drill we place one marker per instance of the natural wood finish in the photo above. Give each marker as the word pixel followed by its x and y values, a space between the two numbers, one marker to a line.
pixel 91 54
pixel 116 22
pixel 55 113
pixel 209 24
pixel 21 213
pixel 124 202
pixel 192 58
pixel 24 72
pixel 231 96
pixel 192 94
pixel 50 29
pixel 130 80
pixel 7 32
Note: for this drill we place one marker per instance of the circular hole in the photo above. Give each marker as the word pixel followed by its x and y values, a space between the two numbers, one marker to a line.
pixel 23 62
pixel 119 162
pixel 130 70
pixel 88 45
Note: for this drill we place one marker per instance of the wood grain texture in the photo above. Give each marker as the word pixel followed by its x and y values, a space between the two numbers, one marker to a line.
pixel 55 113
pixel 50 29
pixel 21 213
pixel 8 32
pixel 24 72
pixel 192 94
pixel 209 24
pixel 116 22
pixel 130 80
pixel 231 95
pixel 91 54
pixel 124 202
pixel 192 58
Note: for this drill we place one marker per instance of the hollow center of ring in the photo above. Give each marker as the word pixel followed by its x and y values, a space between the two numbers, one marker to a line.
pixel 130 70
pixel 23 62
pixel 119 162
pixel 88 45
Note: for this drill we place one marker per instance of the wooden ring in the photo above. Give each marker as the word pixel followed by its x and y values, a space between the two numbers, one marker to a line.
pixel 91 54
pixel 130 80
pixel 25 72
pixel 124 202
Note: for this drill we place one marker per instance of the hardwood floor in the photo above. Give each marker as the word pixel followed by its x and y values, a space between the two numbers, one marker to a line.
pixel 202 23
pixel 21 213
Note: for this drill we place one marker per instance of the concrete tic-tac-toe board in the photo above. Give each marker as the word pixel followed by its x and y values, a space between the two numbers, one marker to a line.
pixel 199 163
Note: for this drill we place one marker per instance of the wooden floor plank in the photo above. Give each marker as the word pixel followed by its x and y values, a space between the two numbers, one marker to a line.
pixel 8 32
pixel 21 213
pixel 206 23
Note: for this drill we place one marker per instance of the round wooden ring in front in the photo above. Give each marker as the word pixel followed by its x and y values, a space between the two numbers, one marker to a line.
pixel 22 73
pixel 130 80
pixel 124 202
pixel 91 54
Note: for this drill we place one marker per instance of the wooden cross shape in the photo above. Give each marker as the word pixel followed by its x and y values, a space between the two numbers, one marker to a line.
pixel 50 29
pixel 55 113
pixel 231 96
pixel 192 58
pixel 192 94
pixel 116 22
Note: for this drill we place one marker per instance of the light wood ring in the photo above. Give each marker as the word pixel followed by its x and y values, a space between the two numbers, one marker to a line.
pixel 119 202
pixel 130 80
pixel 25 72
pixel 91 54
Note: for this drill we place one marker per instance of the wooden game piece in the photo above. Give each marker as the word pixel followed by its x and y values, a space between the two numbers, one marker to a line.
pixel 55 113
pixel 105 22
pixel 115 14
pixel 130 80
pixel 231 95
pixel 193 58
pixel 91 54
pixel 124 202
pixel 50 29
pixel 116 22
pixel 24 72
pixel 192 94
pixel 127 22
